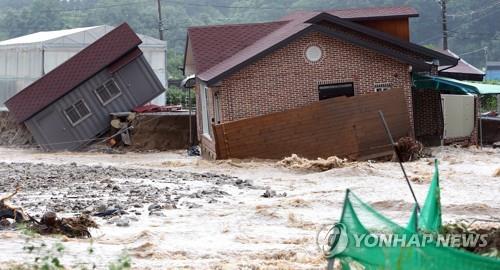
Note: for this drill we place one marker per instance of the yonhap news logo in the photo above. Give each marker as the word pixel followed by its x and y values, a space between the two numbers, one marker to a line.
pixel 333 240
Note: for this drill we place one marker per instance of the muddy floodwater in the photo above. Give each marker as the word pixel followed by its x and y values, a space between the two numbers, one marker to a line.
pixel 180 212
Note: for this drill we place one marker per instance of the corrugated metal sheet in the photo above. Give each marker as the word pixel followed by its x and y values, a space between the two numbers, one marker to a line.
pixel 53 131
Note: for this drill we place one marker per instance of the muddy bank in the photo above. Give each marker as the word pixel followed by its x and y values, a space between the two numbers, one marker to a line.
pixel 93 189
pixel 162 131
pixel 12 133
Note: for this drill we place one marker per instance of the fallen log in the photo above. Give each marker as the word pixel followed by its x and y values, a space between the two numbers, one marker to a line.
pixel 74 227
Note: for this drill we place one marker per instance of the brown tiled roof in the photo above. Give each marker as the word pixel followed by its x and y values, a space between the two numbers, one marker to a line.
pixel 462 67
pixel 213 44
pixel 288 30
pixel 73 72
pixel 374 12
pixel 214 58
pixel 359 14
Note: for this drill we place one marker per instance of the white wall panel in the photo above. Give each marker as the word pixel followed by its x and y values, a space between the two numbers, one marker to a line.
pixel 458 115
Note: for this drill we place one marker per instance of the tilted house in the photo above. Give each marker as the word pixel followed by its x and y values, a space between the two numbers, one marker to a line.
pixel 27 58
pixel 69 106
pixel 250 70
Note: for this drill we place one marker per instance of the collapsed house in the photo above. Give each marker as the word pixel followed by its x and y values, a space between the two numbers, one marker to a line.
pixel 71 105
pixel 27 58
pixel 247 71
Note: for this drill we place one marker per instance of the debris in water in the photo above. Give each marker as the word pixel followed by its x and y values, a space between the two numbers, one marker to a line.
pixel 12 212
pixel 269 193
pixel 409 149
pixel 296 162
pixel 497 173
pixel 74 227
pixel 490 232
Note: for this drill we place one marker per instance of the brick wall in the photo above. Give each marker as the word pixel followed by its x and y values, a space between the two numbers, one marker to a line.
pixel 428 116
pixel 285 79
pixel 429 122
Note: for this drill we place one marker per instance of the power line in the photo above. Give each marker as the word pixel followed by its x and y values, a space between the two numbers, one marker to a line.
pixel 474 51
pixel 490 12
pixel 475 11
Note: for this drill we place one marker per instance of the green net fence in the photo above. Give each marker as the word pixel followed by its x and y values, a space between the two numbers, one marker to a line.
pixel 368 240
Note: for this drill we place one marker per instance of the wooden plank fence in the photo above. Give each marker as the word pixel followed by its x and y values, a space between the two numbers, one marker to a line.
pixel 343 127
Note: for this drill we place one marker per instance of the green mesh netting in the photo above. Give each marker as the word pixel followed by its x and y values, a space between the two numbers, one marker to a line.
pixel 358 218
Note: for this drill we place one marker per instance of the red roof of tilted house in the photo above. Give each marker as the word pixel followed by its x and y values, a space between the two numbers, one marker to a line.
pixel 73 72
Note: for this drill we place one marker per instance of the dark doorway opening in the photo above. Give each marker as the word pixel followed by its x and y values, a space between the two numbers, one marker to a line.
pixel 335 90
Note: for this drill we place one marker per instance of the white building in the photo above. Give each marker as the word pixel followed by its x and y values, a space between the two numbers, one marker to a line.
pixel 25 59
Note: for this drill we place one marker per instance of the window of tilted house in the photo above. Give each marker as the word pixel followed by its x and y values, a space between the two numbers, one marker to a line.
pixel 77 112
pixel 107 92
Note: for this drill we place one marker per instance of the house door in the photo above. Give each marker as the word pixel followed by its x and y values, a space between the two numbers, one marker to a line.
pixel 335 90
pixel 55 130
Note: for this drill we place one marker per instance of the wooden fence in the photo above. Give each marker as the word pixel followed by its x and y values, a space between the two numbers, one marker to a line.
pixel 343 127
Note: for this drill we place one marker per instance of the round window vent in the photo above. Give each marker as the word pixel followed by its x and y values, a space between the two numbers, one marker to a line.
pixel 313 53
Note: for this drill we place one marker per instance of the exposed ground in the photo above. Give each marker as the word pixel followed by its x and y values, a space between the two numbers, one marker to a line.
pixel 182 212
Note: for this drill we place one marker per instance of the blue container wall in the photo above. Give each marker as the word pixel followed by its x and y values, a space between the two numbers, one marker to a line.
pixel 493 74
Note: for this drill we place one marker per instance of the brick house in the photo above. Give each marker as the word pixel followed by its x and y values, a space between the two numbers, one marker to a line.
pixel 249 70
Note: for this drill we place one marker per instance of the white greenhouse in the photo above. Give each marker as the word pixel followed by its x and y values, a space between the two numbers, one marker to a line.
pixel 25 59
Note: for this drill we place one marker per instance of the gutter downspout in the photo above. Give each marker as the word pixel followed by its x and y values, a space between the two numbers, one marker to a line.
pixel 43 61
pixel 437 87
pixel 480 122
pixel 456 64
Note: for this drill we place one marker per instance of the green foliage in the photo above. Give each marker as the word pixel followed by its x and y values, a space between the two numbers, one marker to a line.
pixel 45 258
pixel 472 24
pixel 177 96
pixel 21 227
pixel 175 62
pixel 488 103
pixel 49 258
pixel 123 263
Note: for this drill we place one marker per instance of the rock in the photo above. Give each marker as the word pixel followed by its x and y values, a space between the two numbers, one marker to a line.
pixel 49 219
pixel 100 208
pixel 157 213
pixel 269 193
pixel 123 222
pixel 170 205
pixel 154 207
pixel 4 223
pixel 108 212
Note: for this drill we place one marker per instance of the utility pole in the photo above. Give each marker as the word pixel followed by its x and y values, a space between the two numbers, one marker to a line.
pixel 445 26
pixel 160 31
pixel 160 20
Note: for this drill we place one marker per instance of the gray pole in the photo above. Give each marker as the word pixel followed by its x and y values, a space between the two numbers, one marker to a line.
pixel 445 25
pixel 160 31
pixel 394 146
pixel 160 20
